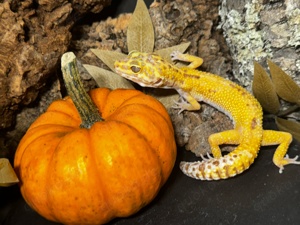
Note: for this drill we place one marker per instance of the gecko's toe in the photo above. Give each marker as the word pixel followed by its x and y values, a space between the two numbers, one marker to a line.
pixel 281 169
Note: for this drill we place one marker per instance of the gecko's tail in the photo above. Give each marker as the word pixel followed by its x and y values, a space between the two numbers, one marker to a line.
pixel 227 166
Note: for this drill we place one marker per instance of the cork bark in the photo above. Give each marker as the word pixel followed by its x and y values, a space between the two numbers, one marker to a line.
pixel 33 36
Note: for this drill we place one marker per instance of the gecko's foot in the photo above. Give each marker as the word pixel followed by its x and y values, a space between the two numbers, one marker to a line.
pixel 208 157
pixel 288 160
pixel 179 105
pixel 175 55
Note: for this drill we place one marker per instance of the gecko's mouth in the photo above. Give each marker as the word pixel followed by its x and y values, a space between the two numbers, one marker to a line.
pixel 134 79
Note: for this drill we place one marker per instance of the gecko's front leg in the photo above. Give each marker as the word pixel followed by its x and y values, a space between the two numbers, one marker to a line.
pixel 191 105
pixel 194 60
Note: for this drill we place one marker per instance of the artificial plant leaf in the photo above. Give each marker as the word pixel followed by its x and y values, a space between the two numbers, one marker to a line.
pixel 264 90
pixel 165 96
pixel 108 79
pixel 140 32
pixel 285 87
pixel 166 52
pixel 8 176
pixel 289 126
pixel 108 57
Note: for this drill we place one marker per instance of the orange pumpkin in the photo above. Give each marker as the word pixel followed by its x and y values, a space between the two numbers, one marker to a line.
pixel 76 175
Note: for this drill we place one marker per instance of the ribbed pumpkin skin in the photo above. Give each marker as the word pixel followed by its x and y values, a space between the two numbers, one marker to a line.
pixel 83 176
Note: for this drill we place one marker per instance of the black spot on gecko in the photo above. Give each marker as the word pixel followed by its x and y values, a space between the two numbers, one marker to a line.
pixel 216 163
pixel 236 170
pixel 191 76
pixel 236 87
pixel 187 167
pixel 226 168
pixel 201 169
pixel 244 168
pixel 253 123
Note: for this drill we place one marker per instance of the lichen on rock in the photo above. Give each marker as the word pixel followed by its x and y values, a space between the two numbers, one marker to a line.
pixel 260 30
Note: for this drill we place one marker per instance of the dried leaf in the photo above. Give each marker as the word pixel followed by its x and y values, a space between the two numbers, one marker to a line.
pixel 8 176
pixel 166 52
pixel 165 96
pixel 285 87
pixel 264 90
pixel 108 57
pixel 289 126
pixel 140 32
pixel 105 78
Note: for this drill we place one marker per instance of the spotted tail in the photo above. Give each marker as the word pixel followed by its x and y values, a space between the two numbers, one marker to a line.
pixel 227 166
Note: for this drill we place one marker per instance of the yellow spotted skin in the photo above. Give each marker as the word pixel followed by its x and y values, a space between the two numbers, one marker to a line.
pixel 194 86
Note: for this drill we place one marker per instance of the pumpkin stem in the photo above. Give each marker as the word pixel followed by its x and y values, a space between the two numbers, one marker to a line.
pixel 87 110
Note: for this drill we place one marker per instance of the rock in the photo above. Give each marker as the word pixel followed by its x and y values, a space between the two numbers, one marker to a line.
pixel 192 129
pixel 260 30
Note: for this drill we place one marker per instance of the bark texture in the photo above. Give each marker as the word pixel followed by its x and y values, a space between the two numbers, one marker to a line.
pixel 33 35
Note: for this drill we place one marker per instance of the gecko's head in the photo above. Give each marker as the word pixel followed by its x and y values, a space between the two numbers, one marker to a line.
pixel 142 68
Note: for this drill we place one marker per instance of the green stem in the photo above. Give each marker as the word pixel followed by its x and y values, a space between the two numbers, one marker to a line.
pixel 87 110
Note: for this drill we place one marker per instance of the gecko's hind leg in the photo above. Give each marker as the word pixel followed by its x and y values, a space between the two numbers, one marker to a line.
pixel 271 137
pixel 225 137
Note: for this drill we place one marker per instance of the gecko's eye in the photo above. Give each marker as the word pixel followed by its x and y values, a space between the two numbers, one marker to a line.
pixel 135 69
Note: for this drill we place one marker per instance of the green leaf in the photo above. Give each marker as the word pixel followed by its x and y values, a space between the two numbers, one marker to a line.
pixel 8 176
pixel 105 78
pixel 108 57
pixel 140 32
pixel 264 90
pixel 285 87
pixel 166 52
pixel 289 126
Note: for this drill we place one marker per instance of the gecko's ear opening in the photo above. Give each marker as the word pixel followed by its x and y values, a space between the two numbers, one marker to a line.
pixel 135 69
